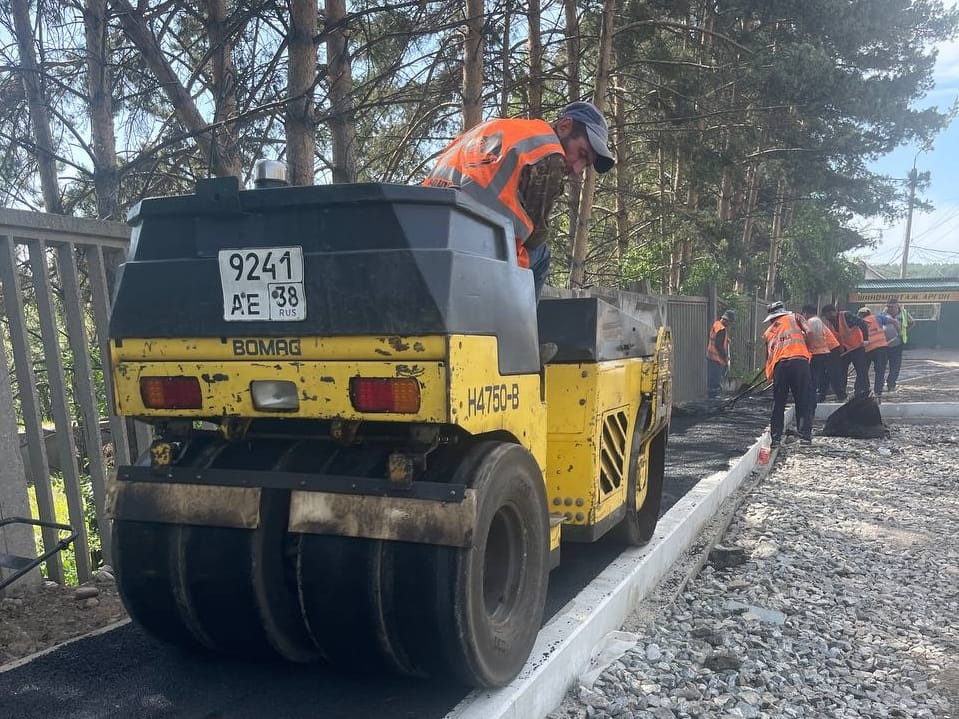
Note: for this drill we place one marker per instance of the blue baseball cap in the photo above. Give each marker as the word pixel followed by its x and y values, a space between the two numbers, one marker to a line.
pixel 597 131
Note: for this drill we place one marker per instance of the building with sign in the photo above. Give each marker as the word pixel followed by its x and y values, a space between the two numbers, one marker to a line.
pixel 932 302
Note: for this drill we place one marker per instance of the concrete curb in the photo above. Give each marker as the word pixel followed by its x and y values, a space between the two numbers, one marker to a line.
pixel 564 646
pixel 902 410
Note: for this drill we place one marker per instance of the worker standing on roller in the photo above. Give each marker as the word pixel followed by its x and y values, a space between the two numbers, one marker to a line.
pixel 717 353
pixel 787 365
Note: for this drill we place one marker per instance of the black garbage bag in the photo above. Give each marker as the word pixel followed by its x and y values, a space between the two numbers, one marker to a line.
pixel 858 418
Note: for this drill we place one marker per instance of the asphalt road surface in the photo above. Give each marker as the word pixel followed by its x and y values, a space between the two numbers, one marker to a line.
pixel 125 674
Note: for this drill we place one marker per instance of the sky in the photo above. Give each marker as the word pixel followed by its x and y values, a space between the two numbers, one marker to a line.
pixel 935 234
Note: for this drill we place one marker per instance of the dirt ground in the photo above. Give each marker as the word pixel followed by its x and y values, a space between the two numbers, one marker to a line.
pixel 51 614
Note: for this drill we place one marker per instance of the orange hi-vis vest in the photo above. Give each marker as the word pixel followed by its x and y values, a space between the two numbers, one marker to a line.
pixel 785 339
pixel 850 337
pixel 486 163
pixel 820 339
pixel 711 351
pixel 877 335
pixel 831 341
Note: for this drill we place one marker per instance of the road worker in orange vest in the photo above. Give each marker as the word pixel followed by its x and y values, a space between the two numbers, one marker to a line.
pixel 717 353
pixel 518 168
pixel 875 349
pixel 824 348
pixel 852 334
pixel 787 365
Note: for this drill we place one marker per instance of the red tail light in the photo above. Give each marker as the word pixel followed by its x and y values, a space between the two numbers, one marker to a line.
pixel 385 394
pixel 171 392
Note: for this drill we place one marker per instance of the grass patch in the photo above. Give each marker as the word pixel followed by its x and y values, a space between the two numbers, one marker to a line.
pixel 67 557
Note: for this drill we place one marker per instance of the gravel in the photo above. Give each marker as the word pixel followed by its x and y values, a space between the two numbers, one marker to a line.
pixel 846 605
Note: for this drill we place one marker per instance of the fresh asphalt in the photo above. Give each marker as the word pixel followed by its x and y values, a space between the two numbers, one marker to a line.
pixel 126 674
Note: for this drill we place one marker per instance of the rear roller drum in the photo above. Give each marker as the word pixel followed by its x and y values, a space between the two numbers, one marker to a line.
pixel 220 588
pixel 143 557
pixel 344 583
pixel 338 582
pixel 488 600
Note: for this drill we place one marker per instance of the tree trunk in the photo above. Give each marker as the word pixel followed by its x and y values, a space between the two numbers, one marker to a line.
pixel 752 197
pixel 533 17
pixel 572 49
pixel 577 275
pixel 473 65
pixel 301 76
pixel 184 107
pixel 572 76
pixel 676 245
pixel 661 168
pixel 225 146
pixel 39 112
pixel 774 242
pixel 727 189
pixel 504 63
pixel 106 181
pixel 725 194
pixel 622 179
pixel 342 121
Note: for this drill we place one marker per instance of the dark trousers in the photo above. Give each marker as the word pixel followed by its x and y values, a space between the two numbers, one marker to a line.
pixel 813 400
pixel 791 375
pixel 877 360
pixel 824 371
pixel 836 379
pixel 539 259
pixel 823 374
pixel 894 355
pixel 856 358
pixel 714 377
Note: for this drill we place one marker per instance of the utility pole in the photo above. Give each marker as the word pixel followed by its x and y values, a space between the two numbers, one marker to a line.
pixel 905 242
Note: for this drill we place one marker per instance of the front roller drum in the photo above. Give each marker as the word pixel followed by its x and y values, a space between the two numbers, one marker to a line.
pixel 639 524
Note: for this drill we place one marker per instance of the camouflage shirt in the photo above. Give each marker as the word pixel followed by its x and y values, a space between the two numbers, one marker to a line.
pixel 539 186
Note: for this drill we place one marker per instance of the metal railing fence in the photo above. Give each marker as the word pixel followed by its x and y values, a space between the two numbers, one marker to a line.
pixel 56 304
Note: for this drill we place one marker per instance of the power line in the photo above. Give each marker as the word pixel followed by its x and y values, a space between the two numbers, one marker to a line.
pixel 934 250
pixel 949 232
pixel 952 214
pixel 879 260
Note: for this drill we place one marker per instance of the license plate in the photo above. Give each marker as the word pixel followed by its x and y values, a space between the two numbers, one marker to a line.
pixel 264 284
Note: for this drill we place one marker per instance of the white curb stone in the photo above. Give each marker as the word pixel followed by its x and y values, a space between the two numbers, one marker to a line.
pixel 563 647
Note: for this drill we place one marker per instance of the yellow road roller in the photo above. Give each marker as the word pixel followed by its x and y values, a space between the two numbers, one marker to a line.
pixel 358 454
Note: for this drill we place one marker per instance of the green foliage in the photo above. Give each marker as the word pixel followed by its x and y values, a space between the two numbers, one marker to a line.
pixel 68 557
pixel 733 114
pixel 814 262
pixel 60 507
